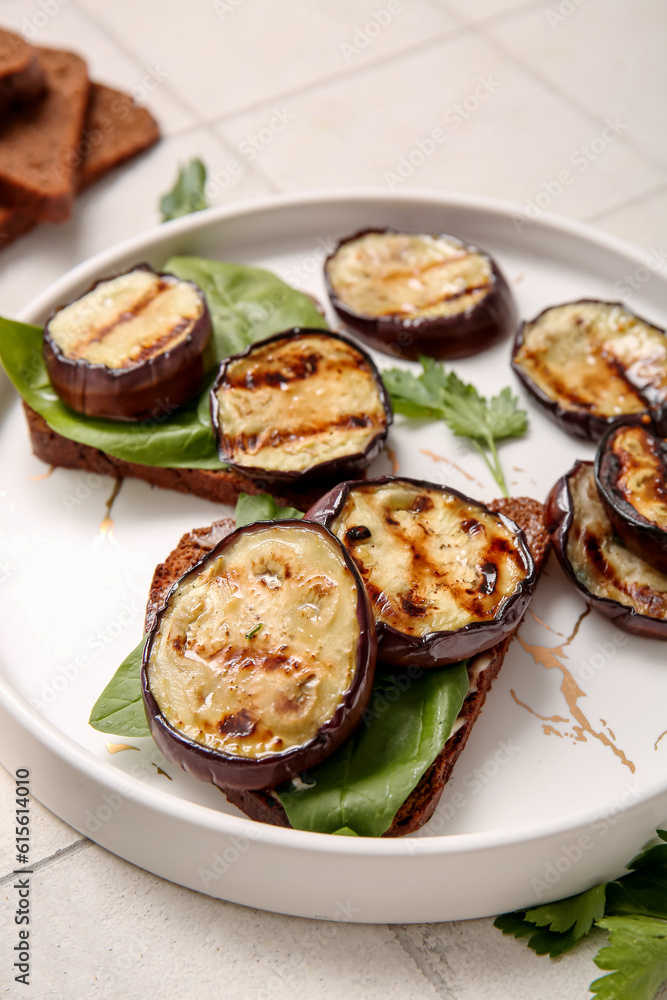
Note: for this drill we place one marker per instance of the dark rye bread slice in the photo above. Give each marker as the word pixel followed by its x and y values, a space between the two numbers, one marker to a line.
pixel 14 223
pixel 116 130
pixel 21 77
pixel 482 670
pixel 38 147
pixel 218 485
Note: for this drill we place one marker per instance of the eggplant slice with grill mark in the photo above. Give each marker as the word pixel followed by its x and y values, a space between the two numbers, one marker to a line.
pixel 260 662
pixel 134 346
pixel 409 294
pixel 591 365
pixel 447 577
pixel 304 403
pixel 631 477
pixel 611 579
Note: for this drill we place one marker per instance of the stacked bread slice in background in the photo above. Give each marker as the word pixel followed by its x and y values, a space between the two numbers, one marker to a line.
pixel 59 133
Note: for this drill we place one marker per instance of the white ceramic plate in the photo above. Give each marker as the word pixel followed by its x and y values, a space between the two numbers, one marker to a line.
pixel 565 774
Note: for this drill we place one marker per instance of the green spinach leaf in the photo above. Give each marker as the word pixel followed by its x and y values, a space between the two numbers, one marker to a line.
pixel 119 710
pixel 246 304
pixel 188 193
pixel 261 507
pixel 183 439
pixel 362 786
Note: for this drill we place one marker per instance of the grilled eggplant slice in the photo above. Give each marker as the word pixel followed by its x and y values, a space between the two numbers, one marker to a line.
pixel 300 404
pixel 631 477
pixel 591 365
pixel 134 346
pixel 611 579
pixel 408 294
pixel 260 662
pixel 447 577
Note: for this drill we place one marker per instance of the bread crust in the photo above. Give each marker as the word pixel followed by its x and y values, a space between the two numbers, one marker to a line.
pixel 264 806
pixel 221 486
pixel 116 130
pixel 39 147
pixel 14 223
pixel 21 77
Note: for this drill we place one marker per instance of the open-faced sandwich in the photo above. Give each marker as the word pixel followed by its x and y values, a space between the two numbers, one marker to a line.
pixel 263 668
pixel 120 383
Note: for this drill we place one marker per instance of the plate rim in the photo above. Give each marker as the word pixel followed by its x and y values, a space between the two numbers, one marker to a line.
pixel 116 780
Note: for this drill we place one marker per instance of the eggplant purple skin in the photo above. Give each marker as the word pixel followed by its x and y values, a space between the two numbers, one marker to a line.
pixel 558 516
pixel 439 337
pixel 579 423
pixel 228 771
pixel 329 471
pixel 646 540
pixel 157 386
pixel 438 648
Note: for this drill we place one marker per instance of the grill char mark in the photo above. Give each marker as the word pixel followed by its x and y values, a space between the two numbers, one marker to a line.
pixel 294 368
pixel 241 724
pixel 278 436
pixel 417 605
pixel 139 306
pixel 645 599
pixel 624 465
pixel 648 395
pixel 452 297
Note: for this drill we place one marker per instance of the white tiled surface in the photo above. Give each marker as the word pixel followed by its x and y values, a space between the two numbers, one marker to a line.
pixel 356 99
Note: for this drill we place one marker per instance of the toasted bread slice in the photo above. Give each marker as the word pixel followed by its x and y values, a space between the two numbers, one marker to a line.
pixel 14 223
pixel 15 54
pixel 482 669
pixel 116 129
pixel 39 148
pixel 21 76
pixel 221 486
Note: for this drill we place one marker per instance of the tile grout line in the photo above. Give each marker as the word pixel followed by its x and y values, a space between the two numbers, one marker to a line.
pixel 503 15
pixel 249 170
pixel 591 116
pixel 346 73
pixel 47 862
pixel 287 94
pixel 136 59
pixel 416 955
pixel 198 123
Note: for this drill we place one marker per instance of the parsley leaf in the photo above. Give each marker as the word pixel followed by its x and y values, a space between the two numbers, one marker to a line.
pixel 561 924
pixel 578 912
pixel 632 908
pixel 187 194
pixel 644 889
pixel 637 950
pixel 261 507
pixel 440 394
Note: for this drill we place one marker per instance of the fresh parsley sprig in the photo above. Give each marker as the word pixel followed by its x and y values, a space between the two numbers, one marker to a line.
pixel 632 908
pixel 437 394
pixel 188 193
